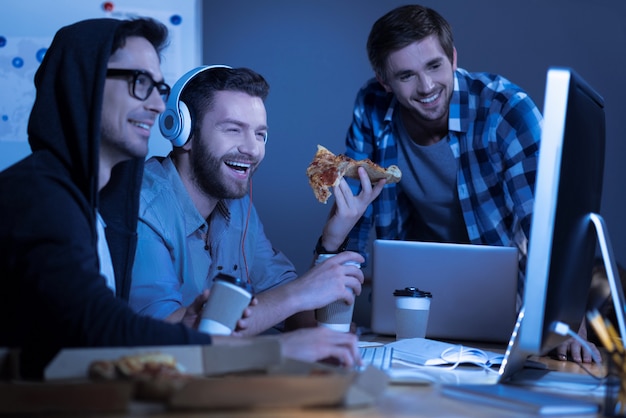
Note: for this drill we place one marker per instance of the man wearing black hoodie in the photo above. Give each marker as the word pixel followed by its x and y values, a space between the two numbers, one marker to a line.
pixel 99 92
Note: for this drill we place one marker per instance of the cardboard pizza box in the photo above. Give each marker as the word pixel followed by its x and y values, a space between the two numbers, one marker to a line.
pixel 217 377
pixel 67 388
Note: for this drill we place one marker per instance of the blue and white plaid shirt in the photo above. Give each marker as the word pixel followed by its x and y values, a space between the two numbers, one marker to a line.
pixel 494 132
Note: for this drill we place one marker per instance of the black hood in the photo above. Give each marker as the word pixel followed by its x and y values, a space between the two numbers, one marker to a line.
pixel 65 119
pixel 53 294
pixel 65 122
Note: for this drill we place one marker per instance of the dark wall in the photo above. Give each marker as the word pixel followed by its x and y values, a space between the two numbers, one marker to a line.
pixel 313 54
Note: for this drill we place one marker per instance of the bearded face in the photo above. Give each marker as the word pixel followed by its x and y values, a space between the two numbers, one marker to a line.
pixel 229 145
pixel 211 172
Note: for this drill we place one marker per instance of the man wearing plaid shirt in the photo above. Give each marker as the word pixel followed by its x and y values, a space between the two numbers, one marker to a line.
pixel 467 145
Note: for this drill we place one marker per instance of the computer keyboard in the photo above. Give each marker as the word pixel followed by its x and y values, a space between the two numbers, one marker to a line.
pixel 379 356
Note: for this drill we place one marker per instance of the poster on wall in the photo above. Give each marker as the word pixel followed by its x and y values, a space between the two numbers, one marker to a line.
pixel 27 29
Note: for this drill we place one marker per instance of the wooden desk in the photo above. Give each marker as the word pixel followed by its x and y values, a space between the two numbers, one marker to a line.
pixel 397 401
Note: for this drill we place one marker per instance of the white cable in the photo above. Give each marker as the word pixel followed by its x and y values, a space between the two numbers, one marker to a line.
pixel 454 355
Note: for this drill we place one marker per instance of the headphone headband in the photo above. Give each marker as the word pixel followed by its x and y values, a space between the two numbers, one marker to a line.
pixel 175 121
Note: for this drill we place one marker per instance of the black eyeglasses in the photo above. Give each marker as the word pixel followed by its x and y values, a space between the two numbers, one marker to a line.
pixel 141 83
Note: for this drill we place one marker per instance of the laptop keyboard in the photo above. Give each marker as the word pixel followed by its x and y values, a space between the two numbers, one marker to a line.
pixel 379 356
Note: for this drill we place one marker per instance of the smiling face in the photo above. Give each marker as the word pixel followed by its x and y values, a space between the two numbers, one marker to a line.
pixel 126 121
pixel 422 78
pixel 230 145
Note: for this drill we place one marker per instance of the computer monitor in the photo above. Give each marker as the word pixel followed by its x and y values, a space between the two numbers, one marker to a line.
pixel 565 224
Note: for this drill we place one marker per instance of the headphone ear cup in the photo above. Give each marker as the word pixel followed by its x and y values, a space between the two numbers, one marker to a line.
pixel 169 123
pixel 175 121
pixel 176 126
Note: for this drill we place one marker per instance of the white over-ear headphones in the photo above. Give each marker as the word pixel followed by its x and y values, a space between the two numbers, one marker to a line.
pixel 175 121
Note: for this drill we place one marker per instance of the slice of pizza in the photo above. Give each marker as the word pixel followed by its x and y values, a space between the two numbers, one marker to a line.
pixel 327 169
pixel 156 376
pixel 144 365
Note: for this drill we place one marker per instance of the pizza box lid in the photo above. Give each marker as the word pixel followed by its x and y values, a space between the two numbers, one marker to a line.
pixel 205 360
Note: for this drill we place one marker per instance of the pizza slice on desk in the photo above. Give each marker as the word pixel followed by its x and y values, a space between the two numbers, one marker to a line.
pixel 327 169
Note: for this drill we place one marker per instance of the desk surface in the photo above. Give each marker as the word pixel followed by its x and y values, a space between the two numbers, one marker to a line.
pixel 397 401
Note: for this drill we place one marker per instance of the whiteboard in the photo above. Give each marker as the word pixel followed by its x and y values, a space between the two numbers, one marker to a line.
pixel 27 28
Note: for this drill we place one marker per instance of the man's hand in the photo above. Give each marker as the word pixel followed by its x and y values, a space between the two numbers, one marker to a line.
pixel 193 312
pixel 314 344
pixel 578 353
pixel 348 209
pixel 329 281
pixel 308 344
pixel 244 322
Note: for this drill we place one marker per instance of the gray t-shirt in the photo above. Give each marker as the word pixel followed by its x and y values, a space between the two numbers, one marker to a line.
pixel 429 180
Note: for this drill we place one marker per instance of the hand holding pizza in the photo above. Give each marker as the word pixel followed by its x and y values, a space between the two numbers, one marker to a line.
pixel 348 209
pixel 327 170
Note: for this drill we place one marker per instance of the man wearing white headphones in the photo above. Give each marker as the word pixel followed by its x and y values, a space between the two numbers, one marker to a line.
pixel 197 218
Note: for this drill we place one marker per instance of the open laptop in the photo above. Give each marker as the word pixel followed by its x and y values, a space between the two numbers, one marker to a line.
pixel 473 287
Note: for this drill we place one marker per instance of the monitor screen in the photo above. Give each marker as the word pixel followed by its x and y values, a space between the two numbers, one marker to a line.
pixel 561 248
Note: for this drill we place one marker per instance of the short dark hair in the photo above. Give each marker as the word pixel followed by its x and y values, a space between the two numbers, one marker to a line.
pixel 199 93
pixel 154 31
pixel 401 27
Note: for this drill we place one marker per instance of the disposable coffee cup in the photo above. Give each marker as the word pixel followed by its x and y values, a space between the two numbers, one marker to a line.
pixel 228 298
pixel 336 315
pixel 412 309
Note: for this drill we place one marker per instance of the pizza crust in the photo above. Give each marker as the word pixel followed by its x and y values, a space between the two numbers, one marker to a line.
pixel 327 169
